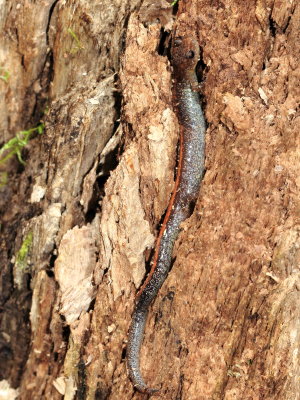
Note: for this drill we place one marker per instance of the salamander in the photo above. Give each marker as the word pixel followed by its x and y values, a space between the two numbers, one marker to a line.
pixel 184 58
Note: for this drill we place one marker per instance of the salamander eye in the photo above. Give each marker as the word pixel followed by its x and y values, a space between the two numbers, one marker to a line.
pixel 177 41
pixel 190 54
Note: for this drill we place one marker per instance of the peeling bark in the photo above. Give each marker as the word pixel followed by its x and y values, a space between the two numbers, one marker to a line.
pixel 97 182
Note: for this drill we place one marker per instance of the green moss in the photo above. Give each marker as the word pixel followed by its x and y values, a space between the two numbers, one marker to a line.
pixel 3 178
pixel 15 145
pixel 4 74
pixel 22 255
pixel 79 45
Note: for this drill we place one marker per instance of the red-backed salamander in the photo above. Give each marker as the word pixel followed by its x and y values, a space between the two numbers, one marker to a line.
pixel 184 57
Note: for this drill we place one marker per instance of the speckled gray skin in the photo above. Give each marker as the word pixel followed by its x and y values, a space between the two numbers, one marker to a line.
pixel 185 54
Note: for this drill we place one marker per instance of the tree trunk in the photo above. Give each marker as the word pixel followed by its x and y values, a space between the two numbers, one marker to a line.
pixel 80 217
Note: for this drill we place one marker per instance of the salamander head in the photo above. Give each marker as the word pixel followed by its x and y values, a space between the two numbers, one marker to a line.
pixel 185 54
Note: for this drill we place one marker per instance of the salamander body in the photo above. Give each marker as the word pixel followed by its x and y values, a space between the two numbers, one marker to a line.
pixel 185 55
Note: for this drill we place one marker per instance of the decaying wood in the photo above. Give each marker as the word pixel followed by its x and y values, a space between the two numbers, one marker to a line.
pixel 226 323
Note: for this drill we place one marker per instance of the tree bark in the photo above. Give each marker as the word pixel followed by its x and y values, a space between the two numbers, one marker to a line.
pixel 80 218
